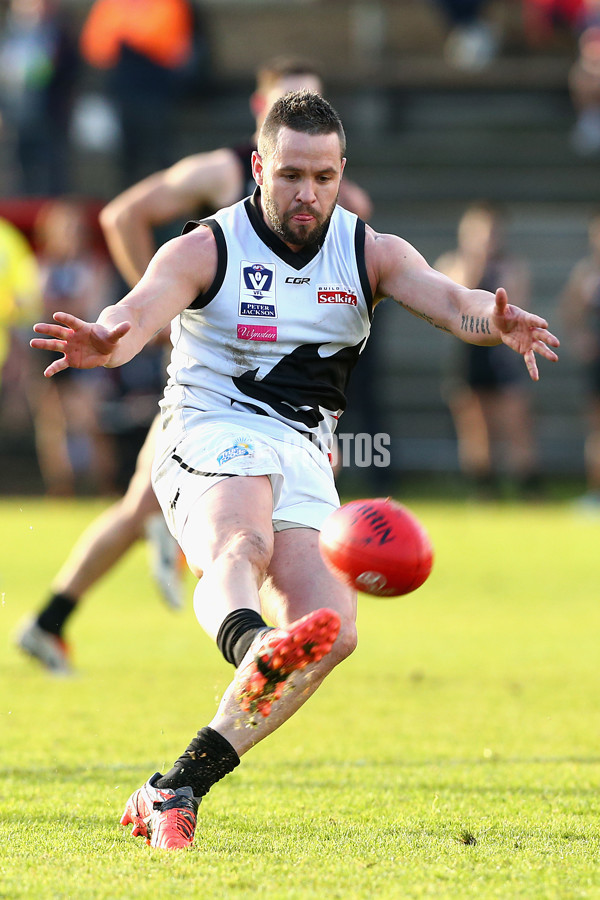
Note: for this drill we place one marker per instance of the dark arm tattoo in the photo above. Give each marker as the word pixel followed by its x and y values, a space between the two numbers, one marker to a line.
pixel 475 324
pixel 424 316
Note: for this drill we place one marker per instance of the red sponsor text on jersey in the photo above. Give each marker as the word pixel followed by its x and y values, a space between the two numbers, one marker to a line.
pixel 337 297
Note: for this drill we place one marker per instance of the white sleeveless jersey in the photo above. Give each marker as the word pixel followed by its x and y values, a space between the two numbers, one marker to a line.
pixel 278 332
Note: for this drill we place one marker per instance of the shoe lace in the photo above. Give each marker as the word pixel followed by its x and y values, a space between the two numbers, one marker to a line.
pixel 184 808
pixel 185 823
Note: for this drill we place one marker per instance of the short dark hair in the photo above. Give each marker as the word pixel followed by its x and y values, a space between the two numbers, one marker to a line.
pixel 302 111
pixel 280 67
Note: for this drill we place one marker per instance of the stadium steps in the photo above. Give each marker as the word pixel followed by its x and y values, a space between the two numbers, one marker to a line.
pixel 447 149
pixel 424 153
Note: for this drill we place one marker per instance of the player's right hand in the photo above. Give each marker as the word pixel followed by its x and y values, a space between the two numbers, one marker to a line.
pixel 84 345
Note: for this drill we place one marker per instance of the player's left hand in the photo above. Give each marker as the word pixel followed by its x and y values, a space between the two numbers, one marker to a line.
pixel 524 332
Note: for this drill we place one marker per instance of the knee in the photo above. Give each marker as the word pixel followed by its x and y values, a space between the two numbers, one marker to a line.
pixel 249 546
pixel 345 643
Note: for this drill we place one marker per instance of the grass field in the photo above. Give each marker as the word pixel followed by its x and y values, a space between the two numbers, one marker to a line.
pixel 455 755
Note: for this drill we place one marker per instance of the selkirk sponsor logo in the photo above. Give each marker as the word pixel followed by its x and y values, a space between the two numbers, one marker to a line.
pixel 337 296
pixel 257 332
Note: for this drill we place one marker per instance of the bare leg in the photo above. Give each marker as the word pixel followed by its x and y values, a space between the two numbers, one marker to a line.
pixel 105 541
pixel 109 537
pixel 98 549
pixel 297 583
pixel 592 448
pixel 240 556
pixel 243 568
pixel 50 430
pixel 80 403
pixel 228 543
pixel 474 451
pixel 508 413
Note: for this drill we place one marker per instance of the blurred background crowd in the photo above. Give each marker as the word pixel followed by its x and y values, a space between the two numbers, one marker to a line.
pixel 474 127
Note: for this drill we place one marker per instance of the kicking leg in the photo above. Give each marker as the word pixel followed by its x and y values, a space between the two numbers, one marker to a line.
pixel 297 584
pixel 239 557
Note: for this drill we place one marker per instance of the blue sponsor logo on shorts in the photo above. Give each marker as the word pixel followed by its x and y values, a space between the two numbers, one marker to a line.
pixel 233 452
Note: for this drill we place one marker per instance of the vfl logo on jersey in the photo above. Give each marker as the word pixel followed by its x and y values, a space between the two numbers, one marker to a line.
pixel 258 278
pixel 337 294
pixel 257 290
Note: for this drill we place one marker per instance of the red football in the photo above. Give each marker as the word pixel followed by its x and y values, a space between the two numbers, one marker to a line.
pixel 377 546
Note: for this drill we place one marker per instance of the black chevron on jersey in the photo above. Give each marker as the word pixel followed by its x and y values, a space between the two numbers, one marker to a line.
pixel 302 382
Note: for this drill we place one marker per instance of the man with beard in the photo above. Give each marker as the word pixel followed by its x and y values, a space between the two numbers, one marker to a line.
pixel 272 300
pixel 203 181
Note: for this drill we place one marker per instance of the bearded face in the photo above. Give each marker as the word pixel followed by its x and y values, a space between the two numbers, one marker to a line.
pixel 300 225
pixel 299 179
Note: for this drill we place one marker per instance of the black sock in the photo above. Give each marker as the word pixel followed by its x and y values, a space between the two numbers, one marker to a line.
pixel 208 758
pixel 56 612
pixel 237 632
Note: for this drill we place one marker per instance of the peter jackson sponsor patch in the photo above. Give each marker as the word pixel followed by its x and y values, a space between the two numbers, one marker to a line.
pixel 257 290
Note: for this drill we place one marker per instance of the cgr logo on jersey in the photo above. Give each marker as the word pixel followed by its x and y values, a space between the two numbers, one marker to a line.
pixel 337 294
pixel 257 290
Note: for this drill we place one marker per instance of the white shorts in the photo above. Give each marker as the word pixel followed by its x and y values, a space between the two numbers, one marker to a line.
pixel 218 445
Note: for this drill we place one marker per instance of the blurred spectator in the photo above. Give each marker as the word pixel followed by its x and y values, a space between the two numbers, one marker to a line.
pixel 145 47
pixel 19 308
pixel 580 308
pixel 131 403
pixel 543 19
pixel 366 408
pixel 68 439
pixel 487 394
pixel 38 68
pixel 584 82
pixel 473 41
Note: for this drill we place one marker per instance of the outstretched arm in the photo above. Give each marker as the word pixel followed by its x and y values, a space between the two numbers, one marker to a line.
pixel 205 179
pixel 181 270
pixel 397 270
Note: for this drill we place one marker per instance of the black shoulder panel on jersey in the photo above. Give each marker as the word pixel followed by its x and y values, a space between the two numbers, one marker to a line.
pixel 191 225
pixel 359 247
pixel 203 300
